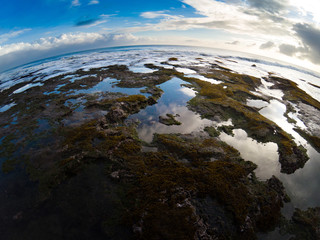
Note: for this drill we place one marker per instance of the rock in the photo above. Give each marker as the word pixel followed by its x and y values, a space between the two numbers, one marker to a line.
pixel 277 185
pixel 309 221
pixel 293 159
pixel 169 120
pixel 303 225
pixel 116 115
pixel 152 100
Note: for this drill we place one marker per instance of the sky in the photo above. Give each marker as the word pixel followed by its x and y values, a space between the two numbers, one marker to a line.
pixel 286 30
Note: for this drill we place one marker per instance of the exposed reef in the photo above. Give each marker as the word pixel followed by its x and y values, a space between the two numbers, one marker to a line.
pixel 218 103
pixel 169 119
pixel 82 156
pixel 303 224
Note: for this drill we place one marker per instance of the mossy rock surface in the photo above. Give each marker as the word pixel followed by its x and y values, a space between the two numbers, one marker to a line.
pixel 190 187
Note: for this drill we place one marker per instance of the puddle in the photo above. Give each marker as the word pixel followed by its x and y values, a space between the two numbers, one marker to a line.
pixel 56 90
pixel 141 69
pixel 265 155
pixel 188 91
pixel 173 100
pixel 185 70
pixel 275 112
pixel 264 89
pixel 75 78
pixel 303 185
pixel 26 87
pixel 43 125
pixel 7 107
pixel 203 78
pixel 109 85
pixel 257 103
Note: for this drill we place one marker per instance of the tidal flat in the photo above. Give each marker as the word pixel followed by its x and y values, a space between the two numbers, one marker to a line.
pixel 179 145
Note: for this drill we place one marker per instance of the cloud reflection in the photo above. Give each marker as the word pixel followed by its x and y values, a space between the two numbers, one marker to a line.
pixel 190 121
pixel 265 155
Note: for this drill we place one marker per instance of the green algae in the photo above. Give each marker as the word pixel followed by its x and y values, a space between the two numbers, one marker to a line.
pixel 214 100
pixel 304 224
pixel 212 131
pixel 293 93
pixel 163 183
pixel 195 150
pixel 160 188
pixel 227 129
pixel 313 140
pixel 132 98
pixel 169 120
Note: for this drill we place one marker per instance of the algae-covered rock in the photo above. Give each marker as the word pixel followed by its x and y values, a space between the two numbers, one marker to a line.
pixel 169 120
pixel 291 157
pixel 93 177
pixel 304 224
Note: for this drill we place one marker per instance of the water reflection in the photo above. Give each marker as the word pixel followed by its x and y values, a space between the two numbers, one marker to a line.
pixel 188 91
pixel 27 86
pixel 7 107
pixel 275 112
pixel 203 78
pixel 140 69
pixel 264 89
pixel 257 103
pixel 265 155
pixel 303 185
pixel 190 121
pixel 109 85
pixel 173 100
pixel 185 70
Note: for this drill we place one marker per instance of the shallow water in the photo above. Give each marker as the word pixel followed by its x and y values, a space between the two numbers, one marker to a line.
pixel 173 101
pixel 109 85
pixel 26 87
pixel 275 112
pixel 264 89
pixel 203 78
pixel 257 103
pixel 265 155
pixel 7 107
pixel 303 185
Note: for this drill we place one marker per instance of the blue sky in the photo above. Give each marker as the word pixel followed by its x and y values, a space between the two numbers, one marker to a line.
pixel 288 30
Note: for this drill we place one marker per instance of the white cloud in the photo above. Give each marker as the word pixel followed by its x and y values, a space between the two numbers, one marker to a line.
pixel 267 45
pixel 16 54
pixel 107 15
pixel 75 3
pixel 219 15
pixel 306 7
pixel 7 36
pixel 92 2
pixel 94 23
pixel 157 14
pixel 265 24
